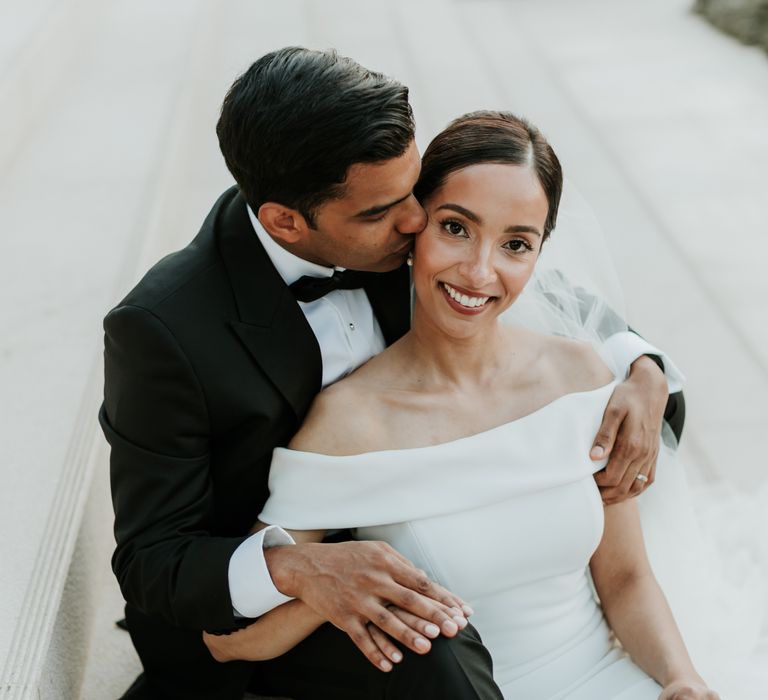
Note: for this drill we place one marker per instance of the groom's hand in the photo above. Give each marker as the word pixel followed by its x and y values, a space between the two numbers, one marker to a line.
pixel 630 432
pixel 361 587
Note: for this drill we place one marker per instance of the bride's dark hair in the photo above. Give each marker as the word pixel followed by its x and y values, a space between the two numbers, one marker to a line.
pixel 491 137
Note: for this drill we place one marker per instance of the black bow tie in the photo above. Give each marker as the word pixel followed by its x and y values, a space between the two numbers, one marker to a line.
pixel 312 288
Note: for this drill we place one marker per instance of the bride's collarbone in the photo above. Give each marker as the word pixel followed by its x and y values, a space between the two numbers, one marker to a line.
pixel 418 419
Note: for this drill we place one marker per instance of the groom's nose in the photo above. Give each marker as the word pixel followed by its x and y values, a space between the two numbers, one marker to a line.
pixel 411 218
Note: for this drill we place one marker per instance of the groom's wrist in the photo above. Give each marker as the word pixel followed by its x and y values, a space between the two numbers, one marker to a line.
pixel 655 359
pixel 647 365
pixel 284 566
pixel 251 586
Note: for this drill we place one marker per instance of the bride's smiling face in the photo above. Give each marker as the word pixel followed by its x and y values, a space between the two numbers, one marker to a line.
pixel 478 251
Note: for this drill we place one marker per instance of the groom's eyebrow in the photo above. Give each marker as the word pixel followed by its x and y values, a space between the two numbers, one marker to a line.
pixel 380 208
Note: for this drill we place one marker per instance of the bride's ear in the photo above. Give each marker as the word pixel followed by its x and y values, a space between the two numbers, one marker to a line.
pixel 282 222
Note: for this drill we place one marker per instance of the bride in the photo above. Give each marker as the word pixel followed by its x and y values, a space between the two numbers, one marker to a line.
pixel 465 446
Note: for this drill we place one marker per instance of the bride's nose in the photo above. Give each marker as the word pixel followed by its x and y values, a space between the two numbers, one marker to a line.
pixel 478 269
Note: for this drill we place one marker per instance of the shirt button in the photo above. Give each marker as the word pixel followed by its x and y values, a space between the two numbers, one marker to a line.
pixel 351 326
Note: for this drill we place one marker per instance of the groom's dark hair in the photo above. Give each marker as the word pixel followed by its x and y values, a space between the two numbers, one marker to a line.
pixel 297 119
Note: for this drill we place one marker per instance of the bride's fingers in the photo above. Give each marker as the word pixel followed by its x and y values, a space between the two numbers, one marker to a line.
pixel 359 632
pixel 390 624
pixel 385 644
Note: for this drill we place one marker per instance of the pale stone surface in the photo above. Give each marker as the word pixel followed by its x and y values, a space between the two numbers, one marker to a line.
pixel 109 160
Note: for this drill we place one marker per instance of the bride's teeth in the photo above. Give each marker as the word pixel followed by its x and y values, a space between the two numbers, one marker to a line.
pixel 463 299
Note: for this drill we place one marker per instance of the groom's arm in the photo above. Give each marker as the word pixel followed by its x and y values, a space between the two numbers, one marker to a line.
pixel 650 393
pixel 168 563
pixel 154 416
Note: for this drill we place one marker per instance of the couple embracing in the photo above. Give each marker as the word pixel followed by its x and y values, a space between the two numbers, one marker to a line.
pixel 466 455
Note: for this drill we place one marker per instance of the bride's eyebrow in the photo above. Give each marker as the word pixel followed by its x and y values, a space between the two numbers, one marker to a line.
pixel 522 228
pixel 474 218
pixel 518 228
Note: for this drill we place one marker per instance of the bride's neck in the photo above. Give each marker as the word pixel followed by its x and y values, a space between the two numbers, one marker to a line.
pixel 442 360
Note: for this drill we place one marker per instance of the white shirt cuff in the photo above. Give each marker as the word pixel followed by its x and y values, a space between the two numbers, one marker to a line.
pixel 251 588
pixel 622 349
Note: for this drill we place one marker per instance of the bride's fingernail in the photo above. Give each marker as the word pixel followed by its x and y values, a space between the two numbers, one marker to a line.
pixel 431 630
pixel 597 452
pixel 460 621
pixel 397 657
pixel 421 643
pixel 385 665
pixel 468 610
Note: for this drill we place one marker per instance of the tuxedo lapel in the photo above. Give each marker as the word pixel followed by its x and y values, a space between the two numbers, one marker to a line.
pixel 390 297
pixel 271 325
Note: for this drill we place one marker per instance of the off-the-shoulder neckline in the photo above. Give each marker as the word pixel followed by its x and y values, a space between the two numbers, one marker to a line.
pixel 455 441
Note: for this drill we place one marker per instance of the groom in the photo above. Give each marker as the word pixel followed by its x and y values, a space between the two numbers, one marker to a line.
pixel 212 361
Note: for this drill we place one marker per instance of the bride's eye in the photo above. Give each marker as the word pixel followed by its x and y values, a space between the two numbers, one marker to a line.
pixel 518 245
pixel 455 228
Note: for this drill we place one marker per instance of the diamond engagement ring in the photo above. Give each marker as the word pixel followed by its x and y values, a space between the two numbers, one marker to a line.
pixel 642 477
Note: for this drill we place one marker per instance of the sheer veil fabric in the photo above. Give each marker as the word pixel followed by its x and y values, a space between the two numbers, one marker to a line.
pixel 708 546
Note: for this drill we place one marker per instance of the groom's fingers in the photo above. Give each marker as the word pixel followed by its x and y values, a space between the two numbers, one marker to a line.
pixel 428 629
pixel 649 472
pixel 428 600
pixel 630 485
pixel 606 436
pixel 417 580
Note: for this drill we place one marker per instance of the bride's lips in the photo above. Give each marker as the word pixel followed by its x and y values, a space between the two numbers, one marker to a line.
pixel 462 300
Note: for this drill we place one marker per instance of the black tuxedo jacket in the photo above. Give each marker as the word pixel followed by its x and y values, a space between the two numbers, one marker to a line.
pixel 209 365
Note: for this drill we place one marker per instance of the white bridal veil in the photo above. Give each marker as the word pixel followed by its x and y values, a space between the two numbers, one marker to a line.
pixel 708 547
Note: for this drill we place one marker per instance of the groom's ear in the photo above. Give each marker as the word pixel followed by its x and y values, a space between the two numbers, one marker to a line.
pixel 282 223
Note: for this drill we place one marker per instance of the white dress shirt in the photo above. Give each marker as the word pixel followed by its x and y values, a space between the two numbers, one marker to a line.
pixel 349 335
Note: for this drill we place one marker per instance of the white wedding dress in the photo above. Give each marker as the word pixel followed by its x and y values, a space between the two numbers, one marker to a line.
pixel 508 519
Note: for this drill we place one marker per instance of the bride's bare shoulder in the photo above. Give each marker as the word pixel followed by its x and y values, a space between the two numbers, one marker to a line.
pixel 343 420
pixel 576 362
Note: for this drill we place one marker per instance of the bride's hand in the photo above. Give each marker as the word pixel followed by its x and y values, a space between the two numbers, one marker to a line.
pixel 352 584
pixel 682 690
pixel 630 432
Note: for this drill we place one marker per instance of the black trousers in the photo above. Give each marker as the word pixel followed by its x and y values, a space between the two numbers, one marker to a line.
pixel 325 666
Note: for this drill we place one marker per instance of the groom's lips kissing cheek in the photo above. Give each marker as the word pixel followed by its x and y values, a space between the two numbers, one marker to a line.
pixel 465 301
